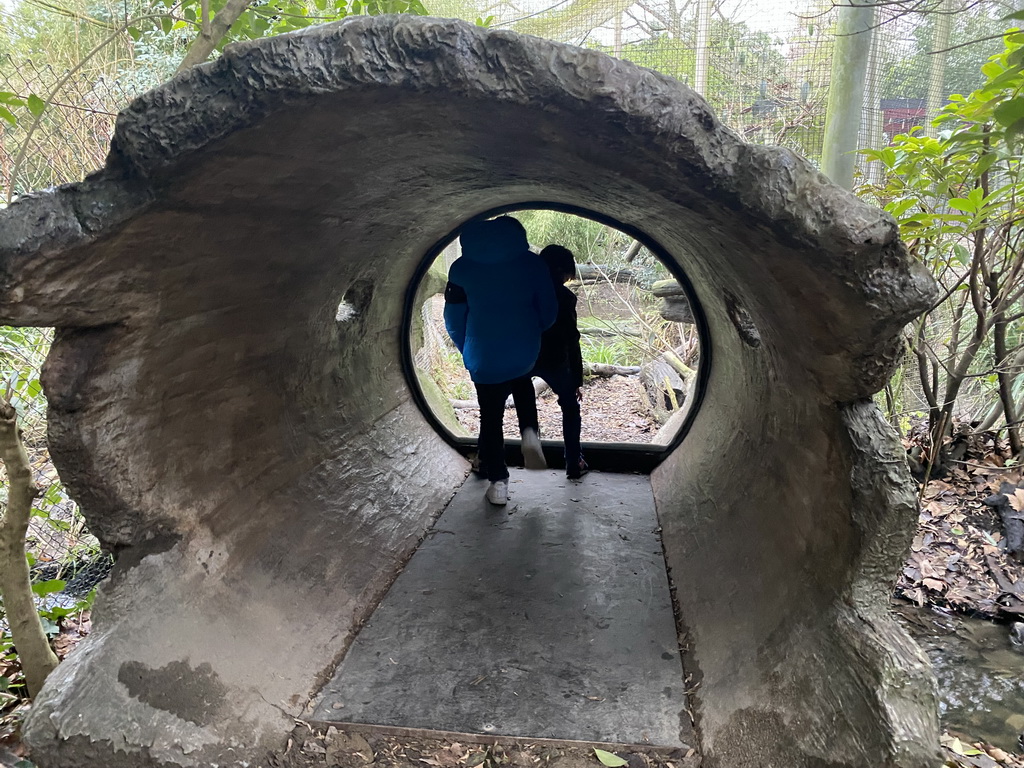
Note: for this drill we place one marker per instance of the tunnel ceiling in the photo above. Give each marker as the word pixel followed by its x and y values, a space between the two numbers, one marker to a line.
pixel 257 463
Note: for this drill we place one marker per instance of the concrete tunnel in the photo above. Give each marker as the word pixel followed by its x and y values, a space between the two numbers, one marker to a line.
pixel 262 469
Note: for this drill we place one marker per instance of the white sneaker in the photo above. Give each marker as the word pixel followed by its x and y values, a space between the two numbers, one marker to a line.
pixel 533 453
pixel 497 493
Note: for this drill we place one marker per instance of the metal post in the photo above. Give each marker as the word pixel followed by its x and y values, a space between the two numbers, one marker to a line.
pixel 850 56
pixel 700 74
pixel 936 81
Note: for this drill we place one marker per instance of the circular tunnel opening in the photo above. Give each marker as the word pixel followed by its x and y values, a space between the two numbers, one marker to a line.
pixel 643 337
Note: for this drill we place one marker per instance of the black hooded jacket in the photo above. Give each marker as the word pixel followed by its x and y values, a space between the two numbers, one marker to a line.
pixel 560 344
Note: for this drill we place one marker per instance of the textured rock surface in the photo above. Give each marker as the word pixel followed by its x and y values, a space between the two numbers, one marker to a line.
pixel 259 463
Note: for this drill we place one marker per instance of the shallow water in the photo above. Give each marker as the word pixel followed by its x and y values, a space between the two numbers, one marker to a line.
pixel 980 675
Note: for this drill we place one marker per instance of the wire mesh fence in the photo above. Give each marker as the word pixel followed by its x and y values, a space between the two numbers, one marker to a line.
pixel 61 551
pixel 72 136
pixel 764 65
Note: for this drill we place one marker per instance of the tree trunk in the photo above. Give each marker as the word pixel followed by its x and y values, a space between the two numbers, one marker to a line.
pixel 1005 379
pixel 207 41
pixel 37 658
pixel 996 410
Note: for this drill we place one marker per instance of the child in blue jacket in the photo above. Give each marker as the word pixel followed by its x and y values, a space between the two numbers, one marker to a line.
pixel 498 301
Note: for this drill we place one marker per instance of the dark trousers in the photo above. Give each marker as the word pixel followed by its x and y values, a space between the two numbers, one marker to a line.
pixel 561 383
pixel 491 443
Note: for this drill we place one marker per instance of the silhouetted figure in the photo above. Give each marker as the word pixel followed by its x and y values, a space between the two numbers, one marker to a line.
pixel 560 362
pixel 498 301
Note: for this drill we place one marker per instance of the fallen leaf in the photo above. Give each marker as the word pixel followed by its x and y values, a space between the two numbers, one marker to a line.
pixel 609 759
pixel 1017 500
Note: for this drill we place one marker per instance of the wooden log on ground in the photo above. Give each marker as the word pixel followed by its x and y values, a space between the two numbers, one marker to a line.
pixel 607 369
pixel 665 387
pixel 670 287
pixel 599 273
pixel 1013 521
pixel 675 307
pixel 608 333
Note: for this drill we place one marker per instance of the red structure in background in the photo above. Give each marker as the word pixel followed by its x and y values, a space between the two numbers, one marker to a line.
pixel 900 115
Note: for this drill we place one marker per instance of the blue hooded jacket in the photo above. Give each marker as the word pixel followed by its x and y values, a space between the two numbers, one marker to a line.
pixel 499 300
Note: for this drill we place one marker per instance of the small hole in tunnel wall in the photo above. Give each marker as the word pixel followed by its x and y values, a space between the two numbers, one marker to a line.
pixel 356 301
pixel 639 339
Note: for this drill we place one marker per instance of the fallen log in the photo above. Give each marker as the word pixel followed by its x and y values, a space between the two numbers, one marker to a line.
pixel 599 273
pixel 1013 520
pixel 607 369
pixel 608 333
pixel 675 306
pixel 663 288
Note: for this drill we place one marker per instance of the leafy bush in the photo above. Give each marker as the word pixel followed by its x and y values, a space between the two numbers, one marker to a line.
pixel 958 197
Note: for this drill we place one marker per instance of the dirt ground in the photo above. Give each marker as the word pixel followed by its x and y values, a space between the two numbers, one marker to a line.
pixel 614 410
pixel 355 747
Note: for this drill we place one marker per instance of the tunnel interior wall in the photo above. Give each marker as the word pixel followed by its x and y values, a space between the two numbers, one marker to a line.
pixel 262 470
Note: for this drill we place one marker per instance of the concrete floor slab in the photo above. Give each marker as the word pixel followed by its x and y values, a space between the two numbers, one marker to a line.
pixel 550 617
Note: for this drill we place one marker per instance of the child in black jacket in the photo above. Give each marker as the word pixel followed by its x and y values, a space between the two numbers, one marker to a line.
pixel 560 362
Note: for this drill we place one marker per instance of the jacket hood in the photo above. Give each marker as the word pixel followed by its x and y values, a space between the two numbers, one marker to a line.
pixel 491 242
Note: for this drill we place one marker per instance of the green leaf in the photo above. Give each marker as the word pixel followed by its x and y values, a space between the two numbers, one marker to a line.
pixel 956 530
pixel 6 114
pixel 36 105
pixel 165 24
pixel 961 254
pixel 1014 131
pixel 49 627
pixel 610 759
pixel 1015 16
pixel 1001 81
pixel 991 69
pixel 53 494
pixel 44 588
pixel 986 162
pixel 898 207
pixel 963 204
pixel 12 99
pixel 134 33
pixel 1009 112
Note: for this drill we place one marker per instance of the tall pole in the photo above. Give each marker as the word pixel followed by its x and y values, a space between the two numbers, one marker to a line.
pixel 617 40
pixel 872 111
pixel 936 80
pixel 850 56
pixel 700 73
